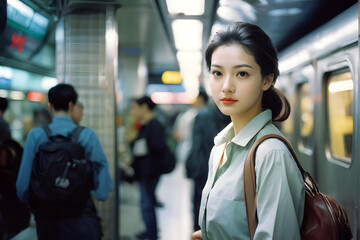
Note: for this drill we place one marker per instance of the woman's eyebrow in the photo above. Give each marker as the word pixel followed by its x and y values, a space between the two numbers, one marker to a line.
pixel 215 65
pixel 236 66
pixel 243 65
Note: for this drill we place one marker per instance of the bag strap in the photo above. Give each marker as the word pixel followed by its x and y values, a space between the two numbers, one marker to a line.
pixel 76 132
pixel 250 194
pixel 47 130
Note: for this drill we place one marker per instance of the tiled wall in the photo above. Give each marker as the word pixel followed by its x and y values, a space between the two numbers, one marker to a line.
pixel 83 62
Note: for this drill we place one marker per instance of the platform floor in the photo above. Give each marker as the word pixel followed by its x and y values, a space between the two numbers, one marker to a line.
pixel 174 218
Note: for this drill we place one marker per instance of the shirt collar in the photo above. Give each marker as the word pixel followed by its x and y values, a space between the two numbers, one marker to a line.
pixel 247 133
pixel 58 119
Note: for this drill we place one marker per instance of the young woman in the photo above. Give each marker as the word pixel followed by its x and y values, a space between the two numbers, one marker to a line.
pixel 244 66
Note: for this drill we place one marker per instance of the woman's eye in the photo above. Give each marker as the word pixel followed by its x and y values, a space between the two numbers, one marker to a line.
pixel 216 73
pixel 242 74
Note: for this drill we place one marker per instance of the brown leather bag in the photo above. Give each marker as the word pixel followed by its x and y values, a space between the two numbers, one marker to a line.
pixel 324 218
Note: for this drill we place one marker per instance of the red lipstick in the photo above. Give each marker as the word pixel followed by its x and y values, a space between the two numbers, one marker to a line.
pixel 228 101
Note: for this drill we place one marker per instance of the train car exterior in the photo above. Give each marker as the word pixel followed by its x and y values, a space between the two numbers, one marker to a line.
pixel 320 76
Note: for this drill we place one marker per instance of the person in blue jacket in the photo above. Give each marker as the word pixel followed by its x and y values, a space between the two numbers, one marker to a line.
pixel 64 106
pixel 243 67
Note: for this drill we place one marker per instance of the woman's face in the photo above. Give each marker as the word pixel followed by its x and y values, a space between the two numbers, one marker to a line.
pixel 236 82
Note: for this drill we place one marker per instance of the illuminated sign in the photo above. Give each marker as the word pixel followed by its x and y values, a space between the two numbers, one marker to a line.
pixel 171 98
pixel 17 42
pixel 171 77
pixel 36 96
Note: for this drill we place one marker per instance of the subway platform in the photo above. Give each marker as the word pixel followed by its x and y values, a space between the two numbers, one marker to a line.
pixel 174 218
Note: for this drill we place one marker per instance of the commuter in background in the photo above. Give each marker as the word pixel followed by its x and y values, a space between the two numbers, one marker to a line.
pixel 204 131
pixel 14 215
pixel 77 115
pixel 182 133
pixel 147 148
pixel 243 69
pixel 63 104
pixel 4 126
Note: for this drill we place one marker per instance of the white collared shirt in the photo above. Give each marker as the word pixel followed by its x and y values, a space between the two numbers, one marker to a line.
pixel 279 186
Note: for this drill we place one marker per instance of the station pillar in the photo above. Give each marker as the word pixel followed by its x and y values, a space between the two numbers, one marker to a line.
pixel 86 57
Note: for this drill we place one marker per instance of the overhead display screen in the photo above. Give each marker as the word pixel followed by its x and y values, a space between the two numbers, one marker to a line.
pixel 25 31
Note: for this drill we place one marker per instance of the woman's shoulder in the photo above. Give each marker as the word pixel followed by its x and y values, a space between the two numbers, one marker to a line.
pixel 271 145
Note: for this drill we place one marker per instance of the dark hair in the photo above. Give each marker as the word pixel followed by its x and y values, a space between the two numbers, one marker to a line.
pixel 146 100
pixel 3 104
pixel 61 95
pixel 257 43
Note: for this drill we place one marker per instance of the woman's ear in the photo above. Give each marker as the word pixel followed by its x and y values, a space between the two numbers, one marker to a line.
pixel 267 81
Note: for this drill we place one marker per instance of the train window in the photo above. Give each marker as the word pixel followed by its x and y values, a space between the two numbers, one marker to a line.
pixel 306 113
pixel 340 116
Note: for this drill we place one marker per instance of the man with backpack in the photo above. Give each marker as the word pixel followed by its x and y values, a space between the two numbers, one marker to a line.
pixel 61 165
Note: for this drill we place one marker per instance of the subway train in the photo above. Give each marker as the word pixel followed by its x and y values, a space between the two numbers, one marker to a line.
pixel 320 76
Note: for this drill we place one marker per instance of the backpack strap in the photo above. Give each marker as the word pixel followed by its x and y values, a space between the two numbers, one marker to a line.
pixel 76 132
pixel 250 194
pixel 47 130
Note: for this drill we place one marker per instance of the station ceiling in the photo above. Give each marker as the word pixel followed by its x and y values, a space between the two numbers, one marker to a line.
pixel 146 24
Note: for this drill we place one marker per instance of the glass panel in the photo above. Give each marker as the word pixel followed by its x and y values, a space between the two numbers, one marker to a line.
pixel 306 115
pixel 340 114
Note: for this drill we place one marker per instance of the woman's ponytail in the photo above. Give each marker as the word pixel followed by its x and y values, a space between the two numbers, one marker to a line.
pixel 275 100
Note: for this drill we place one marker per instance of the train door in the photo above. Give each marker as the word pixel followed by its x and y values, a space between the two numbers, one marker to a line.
pixel 303 109
pixel 334 129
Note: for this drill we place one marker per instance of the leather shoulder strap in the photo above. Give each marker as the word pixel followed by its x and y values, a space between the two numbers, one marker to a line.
pixel 250 180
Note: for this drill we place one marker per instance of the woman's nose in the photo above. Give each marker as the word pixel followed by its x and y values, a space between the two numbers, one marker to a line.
pixel 228 85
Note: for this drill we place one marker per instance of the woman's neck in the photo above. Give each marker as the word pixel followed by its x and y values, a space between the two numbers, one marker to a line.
pixel 240 121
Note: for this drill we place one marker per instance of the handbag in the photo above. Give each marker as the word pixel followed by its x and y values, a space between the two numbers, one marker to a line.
pixel 324 218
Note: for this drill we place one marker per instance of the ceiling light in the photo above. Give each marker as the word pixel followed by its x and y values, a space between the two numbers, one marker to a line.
pixel 187 34
pixel 48 82
pixel 186 7
pixel 236 11
pixel 284 12
pixel 191 57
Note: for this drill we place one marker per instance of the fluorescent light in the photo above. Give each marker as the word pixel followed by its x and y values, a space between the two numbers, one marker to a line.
pixel 187 34
pixel 236 11
pixel 284 12
pixel 228 14
pixel 21 8
pixel 48 82
pixel 186 7
pixel 341 86
pixel 187 70
pixel 6 72
pixel 192 57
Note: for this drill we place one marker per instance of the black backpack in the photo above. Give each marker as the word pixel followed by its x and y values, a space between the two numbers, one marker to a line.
pixel 167 162
pixel 61 177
